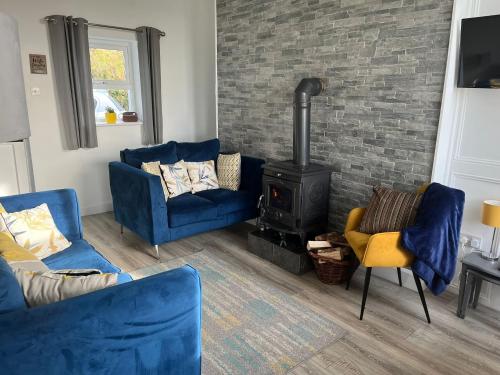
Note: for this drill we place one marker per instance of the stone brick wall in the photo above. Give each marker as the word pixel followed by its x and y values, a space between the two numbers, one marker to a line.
pixel 384 63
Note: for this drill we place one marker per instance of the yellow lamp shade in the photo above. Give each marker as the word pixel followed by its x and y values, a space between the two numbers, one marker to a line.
pixel 491 213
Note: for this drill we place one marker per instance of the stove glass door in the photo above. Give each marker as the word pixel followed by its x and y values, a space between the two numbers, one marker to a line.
pixel 280 197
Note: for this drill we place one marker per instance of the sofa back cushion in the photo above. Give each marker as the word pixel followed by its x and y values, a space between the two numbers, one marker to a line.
pixel 198 151
pixel 165 154
pixel 11 294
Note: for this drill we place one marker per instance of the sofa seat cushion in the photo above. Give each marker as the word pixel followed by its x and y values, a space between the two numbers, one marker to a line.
pixel 82 255
pixel 188 209
pixel 228 201
pixel 165 154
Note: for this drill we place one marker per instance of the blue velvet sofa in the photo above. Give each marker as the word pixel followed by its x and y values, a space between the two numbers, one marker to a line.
pixel 148 326
pixel 139 203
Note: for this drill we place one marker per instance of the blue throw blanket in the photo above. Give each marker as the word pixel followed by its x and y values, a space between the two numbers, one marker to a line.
pixel 435 237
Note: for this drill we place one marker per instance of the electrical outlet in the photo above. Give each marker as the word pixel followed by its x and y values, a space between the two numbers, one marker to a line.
pixel 471 241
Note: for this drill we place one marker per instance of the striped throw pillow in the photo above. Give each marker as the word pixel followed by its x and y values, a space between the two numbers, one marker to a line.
pixel 389 211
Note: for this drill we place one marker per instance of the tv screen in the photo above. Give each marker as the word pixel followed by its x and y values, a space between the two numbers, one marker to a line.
pixel 480 53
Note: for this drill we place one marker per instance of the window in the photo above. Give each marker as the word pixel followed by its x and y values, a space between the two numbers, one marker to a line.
pixel 115 77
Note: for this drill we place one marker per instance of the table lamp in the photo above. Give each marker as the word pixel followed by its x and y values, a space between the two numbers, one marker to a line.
pixel 491 217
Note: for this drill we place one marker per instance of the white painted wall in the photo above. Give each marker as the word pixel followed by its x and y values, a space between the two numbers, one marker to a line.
pixel 188 86
pixel 468 152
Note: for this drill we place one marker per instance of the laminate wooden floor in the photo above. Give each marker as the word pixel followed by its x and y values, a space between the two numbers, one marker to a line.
pixel 393 338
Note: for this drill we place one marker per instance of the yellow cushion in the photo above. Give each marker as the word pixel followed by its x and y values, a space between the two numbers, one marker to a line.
pixel 153 167
pixel 3 227
pixel 358 242
pixel 17 256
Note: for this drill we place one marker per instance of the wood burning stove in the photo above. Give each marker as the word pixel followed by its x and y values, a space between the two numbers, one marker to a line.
pixel 295 192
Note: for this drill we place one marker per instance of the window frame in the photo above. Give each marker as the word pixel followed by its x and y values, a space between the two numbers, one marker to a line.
pixel 132 74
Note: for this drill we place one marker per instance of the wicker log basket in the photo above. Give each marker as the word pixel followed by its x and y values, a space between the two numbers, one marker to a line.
pixel 331 271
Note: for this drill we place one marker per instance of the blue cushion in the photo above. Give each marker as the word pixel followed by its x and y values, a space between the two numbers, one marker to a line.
pixel 165 153
pixel 198 151
pixel 80 255
pixel 229 201
pixel 189 209
pixel 11 294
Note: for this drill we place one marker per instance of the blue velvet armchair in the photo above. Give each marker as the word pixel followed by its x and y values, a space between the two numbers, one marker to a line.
pixel 148 326
pixel 139 203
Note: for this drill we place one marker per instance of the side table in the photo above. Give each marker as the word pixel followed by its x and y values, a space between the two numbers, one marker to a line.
pixel 475 270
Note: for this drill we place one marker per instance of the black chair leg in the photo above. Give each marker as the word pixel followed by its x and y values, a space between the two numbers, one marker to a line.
pixel 399 277
pixel 365 291
pixel 422 296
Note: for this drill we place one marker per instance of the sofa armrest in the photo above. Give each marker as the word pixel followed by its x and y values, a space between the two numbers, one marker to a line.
pixel 251 175
pixel 151 325
pixel 354 219
pixel 385 250
pixel 139 202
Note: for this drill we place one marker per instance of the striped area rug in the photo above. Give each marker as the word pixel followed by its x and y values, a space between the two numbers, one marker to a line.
pixel 251 326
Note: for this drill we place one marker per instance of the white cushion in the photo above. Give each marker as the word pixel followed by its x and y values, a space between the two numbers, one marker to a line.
pixel 35 230
pixel 202 176
pixel 176 177
pixel 41 288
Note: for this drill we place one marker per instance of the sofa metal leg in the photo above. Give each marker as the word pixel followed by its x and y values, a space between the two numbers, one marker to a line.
pixel 422 296
pixel 399 277
pixel 365 291
pixel 157 252
pixel 121 228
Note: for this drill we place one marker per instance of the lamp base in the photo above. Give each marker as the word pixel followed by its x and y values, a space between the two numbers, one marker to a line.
pixel 489 257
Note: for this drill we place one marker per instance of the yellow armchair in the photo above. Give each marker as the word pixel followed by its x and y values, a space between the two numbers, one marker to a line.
pixel 378 250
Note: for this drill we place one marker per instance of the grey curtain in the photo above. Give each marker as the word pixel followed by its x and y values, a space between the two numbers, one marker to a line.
pixel 71 58
pixel 148 39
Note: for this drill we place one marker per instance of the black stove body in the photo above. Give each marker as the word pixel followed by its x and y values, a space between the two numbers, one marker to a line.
pixel 296 192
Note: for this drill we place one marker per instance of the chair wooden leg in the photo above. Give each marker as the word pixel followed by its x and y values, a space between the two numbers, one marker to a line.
pixel 365 291
pixel 399 277
pixel 422 296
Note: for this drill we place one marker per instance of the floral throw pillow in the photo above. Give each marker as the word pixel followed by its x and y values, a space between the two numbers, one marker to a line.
pixel 35 230
pixel 202 175
pixel 176 177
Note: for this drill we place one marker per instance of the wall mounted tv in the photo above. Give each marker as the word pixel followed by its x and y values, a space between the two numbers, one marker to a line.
pixel 480 53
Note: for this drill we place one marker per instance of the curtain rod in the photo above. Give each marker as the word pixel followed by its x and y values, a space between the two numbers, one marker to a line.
pixel 48 19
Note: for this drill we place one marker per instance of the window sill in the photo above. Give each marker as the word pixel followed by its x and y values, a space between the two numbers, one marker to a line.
pixel 118 123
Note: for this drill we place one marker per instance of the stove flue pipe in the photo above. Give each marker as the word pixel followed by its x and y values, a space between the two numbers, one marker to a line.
pixel 306 89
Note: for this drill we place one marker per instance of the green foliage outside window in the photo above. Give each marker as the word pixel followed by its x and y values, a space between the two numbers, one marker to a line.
pixel 121 96
pixel 107 64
